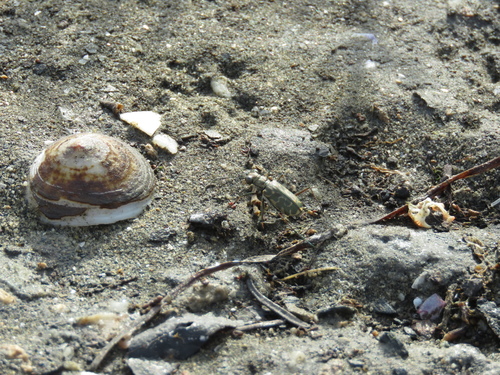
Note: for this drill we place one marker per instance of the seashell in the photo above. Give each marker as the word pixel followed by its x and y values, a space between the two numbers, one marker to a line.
pixel 89 179
pixel 146 121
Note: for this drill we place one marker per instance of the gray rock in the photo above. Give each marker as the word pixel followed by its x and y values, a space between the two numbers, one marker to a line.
pixel 178 337
pixel 392 345
pixel 381 306
pixel 149 367
pixel 491 312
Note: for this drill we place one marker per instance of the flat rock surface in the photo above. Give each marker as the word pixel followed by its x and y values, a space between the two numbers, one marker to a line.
pixel 366 103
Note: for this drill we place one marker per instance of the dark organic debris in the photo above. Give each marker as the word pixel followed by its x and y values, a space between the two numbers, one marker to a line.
pixel 178 337
pixel 472 287
pixel 115 108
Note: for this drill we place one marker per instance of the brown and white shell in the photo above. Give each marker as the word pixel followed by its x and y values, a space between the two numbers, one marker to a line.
pixel 89 179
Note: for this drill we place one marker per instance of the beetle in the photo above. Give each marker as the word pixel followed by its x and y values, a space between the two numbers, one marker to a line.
pixel 278 196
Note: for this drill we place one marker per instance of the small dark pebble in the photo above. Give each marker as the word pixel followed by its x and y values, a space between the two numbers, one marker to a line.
pixel 402 193
pixel 323 151
pixel 39 69
pixel 472 287
pixel 399 371
pixel 162 235
pixel 392 162
pixel 381 306
pixel 385 195
pixel 356 363
pixel 393 345
pixel 209 220
pixel 342 312
pixel 254 152
pixel 410 332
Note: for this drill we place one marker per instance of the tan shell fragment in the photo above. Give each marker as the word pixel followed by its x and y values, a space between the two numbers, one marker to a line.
pixel 6 298
pixel 419 212
pixel 89 179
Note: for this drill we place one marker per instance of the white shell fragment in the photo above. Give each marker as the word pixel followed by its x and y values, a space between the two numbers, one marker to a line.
pixel 146 121
pixel 219 87
pixel 166 142
pixel 419 212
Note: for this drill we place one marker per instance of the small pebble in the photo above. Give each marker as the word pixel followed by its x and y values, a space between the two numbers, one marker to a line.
pixel 338 311
pixel 417 302
pixel 356 363
pixel 431 308
pixel 394 345
pixel 381 306
pixel 91 48
pixel 213 134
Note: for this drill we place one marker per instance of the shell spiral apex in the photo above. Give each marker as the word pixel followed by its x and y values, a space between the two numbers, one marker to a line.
pixel 89 179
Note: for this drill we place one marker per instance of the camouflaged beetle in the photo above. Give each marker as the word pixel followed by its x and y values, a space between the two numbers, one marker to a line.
pixel 278 196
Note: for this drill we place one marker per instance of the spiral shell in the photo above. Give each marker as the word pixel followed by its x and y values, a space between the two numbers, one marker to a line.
pixel 89 179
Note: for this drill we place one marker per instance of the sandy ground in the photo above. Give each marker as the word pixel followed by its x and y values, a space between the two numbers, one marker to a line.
pixel 368 102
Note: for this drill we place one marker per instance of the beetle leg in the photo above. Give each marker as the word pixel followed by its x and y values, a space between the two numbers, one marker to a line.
pixel 302 191
pixel 255 201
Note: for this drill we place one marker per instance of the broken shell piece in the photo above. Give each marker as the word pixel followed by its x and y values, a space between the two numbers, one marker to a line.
pixel 146 121
pixel 219 86
pixel 431 308
pixel 100 318
pixel 166 142
pixel 422 210
pixel 14 352
pixel 6 298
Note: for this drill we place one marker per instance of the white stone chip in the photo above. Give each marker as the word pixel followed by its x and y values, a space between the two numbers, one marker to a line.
pixel 146 121
pixel 166 142
pixel 219 87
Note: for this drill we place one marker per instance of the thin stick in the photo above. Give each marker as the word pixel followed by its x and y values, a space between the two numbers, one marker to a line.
pixel 259 325
pixel 309 272
pixel 274 307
